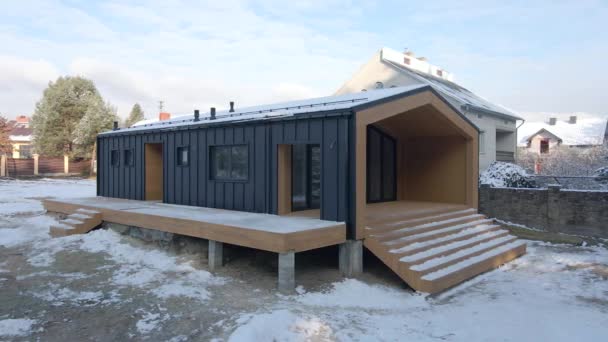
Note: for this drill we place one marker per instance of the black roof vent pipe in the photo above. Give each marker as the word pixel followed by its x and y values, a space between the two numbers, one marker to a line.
pixel 212 113
pixel 196 115
pixel 115 127
pixel 231 106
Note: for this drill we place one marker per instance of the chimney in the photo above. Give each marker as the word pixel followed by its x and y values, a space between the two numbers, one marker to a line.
pixel 212 113
pixel 572 119
pixel 115 126
pixel 196 115
pixel 162 116
pixel 552 121
pixel 231 106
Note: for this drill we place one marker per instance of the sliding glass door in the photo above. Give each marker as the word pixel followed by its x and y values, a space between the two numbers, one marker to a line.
pixel 381 166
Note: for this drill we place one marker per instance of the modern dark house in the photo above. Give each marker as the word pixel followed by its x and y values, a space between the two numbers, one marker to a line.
pixel 393 169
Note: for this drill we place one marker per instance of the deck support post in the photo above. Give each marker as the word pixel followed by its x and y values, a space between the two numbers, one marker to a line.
pixel 351 258
pixel 216 255
pixel 287 278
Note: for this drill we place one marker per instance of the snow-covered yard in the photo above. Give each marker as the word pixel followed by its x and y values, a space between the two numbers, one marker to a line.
pixel 107 286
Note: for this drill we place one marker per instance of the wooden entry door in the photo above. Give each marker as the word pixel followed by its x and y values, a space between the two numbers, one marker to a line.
pixel 154 172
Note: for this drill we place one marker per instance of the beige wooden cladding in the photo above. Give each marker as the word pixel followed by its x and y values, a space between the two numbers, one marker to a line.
pixel 154 172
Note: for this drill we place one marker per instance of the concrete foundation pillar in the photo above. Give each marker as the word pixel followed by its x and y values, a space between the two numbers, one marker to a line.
pixel 287 272
pixel 351 258
pixel 216 255
pixel 3 165
pixel 66 164
pixel 36 158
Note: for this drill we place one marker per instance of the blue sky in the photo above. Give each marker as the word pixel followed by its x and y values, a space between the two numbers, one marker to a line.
pixel 526 55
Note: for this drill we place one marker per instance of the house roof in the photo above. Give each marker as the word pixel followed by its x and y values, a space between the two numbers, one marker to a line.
pixel 286 109
pixel 19 133
pixel 586 131
pixel 447 88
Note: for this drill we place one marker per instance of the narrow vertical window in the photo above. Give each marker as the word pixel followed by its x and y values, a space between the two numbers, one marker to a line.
pixel 183 156
pixel 129 159
pixel 114 158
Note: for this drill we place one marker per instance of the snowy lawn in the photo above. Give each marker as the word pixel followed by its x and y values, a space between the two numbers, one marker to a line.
pixel 106 286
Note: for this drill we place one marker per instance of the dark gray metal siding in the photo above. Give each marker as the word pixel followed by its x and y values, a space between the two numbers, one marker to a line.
pixel 191 185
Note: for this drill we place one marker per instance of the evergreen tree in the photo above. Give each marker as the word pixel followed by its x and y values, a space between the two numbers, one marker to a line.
pixel 136 115
pixel 63 105
pixel 98 118
pixel 5 145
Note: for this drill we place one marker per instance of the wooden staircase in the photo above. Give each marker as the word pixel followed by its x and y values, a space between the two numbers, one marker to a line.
pixel 80 222
pixel 437 249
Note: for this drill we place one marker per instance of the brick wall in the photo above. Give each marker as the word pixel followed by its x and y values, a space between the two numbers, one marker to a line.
pixel 553 209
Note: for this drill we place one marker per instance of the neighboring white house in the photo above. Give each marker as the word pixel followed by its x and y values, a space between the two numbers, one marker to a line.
pixel 542 137
pixel 390 68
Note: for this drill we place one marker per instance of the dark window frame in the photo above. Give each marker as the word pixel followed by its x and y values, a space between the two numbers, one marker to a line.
pixel 212 163
pixel 308 160
pixel 178 156
pixel 382 165
pixel 115 162
pixel 131 162
pixel 544 146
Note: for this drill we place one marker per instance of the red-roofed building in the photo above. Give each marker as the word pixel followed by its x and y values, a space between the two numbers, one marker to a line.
pixel 20 136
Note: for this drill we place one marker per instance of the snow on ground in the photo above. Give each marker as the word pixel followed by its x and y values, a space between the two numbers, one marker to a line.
pixel 129 290
pixel 554 293
pixel 16 327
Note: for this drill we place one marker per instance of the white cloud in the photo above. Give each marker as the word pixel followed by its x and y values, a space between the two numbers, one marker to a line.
pixel 22 82
pixel 206 55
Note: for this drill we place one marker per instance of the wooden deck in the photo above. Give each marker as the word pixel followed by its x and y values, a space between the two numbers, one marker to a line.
pixel 261 231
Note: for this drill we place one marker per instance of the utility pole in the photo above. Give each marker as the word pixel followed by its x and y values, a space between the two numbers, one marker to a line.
pixel 161 106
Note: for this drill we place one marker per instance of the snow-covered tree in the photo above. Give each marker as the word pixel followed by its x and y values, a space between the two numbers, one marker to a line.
pixel 136 115
pixel 63 104
pixel 501 175
pixel 566 161
pixel 5 144
pixel 98 118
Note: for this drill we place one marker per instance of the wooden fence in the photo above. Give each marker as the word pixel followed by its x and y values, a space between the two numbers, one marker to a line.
pixel 43 166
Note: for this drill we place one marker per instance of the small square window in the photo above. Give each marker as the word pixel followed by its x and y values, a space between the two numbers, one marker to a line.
pixel 183 156
pixel 129 158
pixel 115 158
pixel 229 163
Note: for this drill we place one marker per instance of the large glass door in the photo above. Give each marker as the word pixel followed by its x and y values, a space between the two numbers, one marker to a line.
pixel 381 166
pixel 305 177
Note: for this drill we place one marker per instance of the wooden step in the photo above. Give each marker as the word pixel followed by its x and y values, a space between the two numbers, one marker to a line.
pixel 422 220
pixel 431 253
pixel 468 268
pixel 444 261
pixel 59 230
pixel 402 232
pixel 441 250
pixel 434 234
pixel 444 240
pixel 79 222
pixel 411 215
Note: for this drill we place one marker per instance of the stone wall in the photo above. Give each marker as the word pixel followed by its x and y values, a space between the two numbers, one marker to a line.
pixel 552 209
